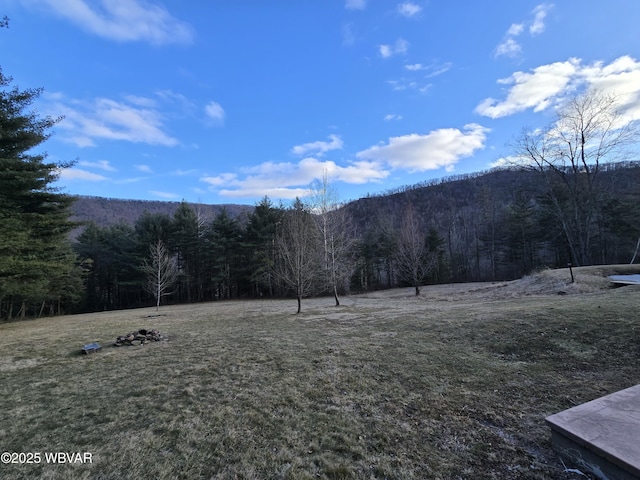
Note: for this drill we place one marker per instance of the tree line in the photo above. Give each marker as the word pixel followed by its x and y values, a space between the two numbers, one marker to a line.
pixel 499 226
pixel 570 195
pixel 302 250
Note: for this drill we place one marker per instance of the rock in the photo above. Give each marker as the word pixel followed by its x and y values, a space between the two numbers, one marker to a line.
pixel 139 337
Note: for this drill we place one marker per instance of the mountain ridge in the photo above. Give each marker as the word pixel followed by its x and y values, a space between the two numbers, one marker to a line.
pixel 104 211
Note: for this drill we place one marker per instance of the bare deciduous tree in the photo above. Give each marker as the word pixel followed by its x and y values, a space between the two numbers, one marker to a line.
pixel 337 236
pixel 297 246
pixel 569 154
pixel 162 271
pixel 413 258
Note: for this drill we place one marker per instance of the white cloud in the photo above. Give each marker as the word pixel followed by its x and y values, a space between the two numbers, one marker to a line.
pixel 415 67
pixel 167 195
pixel 540 13
pixel 509 161
pixel 401 46
pixel 129 180
pixel 280 193
pixel 285 180
pixel 143 168
pixel 101 164
pixel 392 116
pixel 432 70
pixel 215 112
pixel 178 99
pixel 123 20
pixel 509 47
pixel 620 78
pixel 515 29
pixel 348 35
pixel 548 85
pixel 355 4
pixel 536 90
pixel 398 85
pixel 439 69
pixel 408 84
pixel 141 101
pixel 386 51
pixel 288 180
pixel 105 119
pixel 319 147
pixel 183 173
pixel 71 174
pixel 439 148
pixel 222 179
pixel 409 9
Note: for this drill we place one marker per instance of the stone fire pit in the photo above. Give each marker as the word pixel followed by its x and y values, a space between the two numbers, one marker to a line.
pixel 139 337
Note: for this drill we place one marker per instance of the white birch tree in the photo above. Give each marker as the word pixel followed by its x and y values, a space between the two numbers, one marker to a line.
pixel 162 271
pixel 336 234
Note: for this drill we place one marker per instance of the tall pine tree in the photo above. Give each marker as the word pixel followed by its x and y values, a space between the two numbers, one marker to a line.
pixel 38 271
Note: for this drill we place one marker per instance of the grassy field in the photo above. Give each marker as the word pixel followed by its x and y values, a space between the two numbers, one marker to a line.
pixel 452 385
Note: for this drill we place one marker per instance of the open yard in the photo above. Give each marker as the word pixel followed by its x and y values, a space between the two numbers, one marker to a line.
pixel 454 384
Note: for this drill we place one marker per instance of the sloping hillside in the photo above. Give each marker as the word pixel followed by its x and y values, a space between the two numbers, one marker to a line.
pixel 109 211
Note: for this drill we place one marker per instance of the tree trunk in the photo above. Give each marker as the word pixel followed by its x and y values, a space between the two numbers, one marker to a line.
pixel 299 304
pixel 635 253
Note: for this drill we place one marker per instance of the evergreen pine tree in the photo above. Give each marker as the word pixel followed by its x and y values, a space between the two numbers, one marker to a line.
pixel 37 265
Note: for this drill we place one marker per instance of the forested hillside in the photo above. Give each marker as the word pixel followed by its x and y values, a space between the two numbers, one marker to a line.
pixel 500 224
pixel 571 196
pixel 109 211
pixel 497 225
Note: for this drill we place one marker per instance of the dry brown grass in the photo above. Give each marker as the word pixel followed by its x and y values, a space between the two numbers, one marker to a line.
pixel 452 385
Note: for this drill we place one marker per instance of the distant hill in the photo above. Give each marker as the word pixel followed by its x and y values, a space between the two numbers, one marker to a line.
pixel 496 225
pixel 487 226
pixel 477 197
pixel 108 211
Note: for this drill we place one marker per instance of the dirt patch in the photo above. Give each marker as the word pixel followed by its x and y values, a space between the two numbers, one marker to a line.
pixel 592 279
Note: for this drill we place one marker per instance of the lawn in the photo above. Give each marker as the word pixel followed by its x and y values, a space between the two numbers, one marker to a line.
pixel 454 384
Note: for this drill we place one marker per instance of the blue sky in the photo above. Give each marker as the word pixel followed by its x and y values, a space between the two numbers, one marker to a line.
pixel 226 101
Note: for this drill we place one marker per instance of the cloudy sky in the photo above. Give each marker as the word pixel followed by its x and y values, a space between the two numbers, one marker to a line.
pixel 226 101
